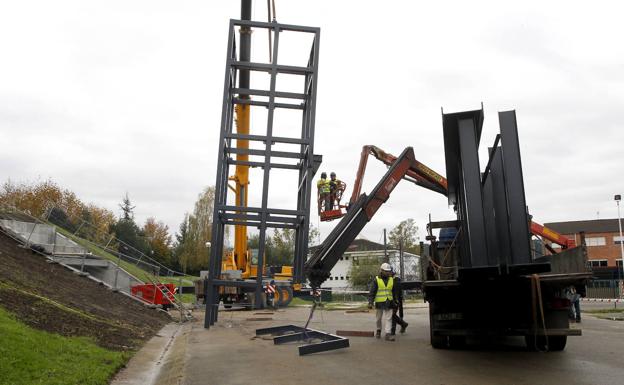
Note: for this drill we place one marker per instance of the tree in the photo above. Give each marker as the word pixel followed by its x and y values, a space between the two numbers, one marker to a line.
pixel 191 252
pixel 362 271
pixel 284 247
pixel 158 239
pixel 60 206
pixel 101 220
pixel 132 240
pixel 39 198
pixel 85 227
pixel 314 236
pixel 126 208
pixel 405 233
pixel 59 217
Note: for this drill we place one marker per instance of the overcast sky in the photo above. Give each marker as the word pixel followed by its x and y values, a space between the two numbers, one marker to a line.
pixel 112 97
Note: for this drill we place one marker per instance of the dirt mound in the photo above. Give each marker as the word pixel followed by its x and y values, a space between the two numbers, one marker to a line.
pixel 51 297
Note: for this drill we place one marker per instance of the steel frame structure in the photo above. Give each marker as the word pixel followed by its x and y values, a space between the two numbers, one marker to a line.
pixel 291 333
pixel 263 217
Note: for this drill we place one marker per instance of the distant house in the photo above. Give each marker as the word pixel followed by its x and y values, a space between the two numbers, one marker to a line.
pixel 363 249
pixel 602 237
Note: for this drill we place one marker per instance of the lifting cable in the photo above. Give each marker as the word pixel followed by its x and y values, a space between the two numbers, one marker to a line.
pixel 270 18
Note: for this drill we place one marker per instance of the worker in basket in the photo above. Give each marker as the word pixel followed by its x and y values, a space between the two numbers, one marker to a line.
pixel 336 188
pixel 382 294
pixel 323 193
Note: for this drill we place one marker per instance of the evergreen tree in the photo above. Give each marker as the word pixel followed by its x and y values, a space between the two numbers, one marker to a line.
pixel 127 209
pixel 132 241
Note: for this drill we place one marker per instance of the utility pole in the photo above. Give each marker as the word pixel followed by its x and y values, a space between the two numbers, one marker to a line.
pixel 401 263
pixel 386 259
pixel 618 198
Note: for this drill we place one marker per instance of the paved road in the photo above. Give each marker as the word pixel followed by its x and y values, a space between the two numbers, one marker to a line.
pixel 229 354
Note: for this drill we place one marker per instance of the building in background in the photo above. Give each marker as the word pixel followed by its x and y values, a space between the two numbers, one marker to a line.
pixel 602 237
pixel 363 251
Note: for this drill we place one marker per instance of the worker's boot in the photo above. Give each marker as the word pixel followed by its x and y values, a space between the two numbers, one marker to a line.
pixel 378 334
pixel 403 327
pixel 389 337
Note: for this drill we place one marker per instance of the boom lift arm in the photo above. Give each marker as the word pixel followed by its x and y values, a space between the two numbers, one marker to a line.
pixel 317 269
pixel 431 180
pixel 362 208
pixel 418 173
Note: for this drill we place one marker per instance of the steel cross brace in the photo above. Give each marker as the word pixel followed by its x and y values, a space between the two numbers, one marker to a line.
pixel 291 333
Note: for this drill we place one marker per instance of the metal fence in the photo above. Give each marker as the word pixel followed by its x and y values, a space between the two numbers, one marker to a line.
pixel 604 288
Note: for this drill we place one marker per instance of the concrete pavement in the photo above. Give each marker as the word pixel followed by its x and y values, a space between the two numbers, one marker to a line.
pixel 229 353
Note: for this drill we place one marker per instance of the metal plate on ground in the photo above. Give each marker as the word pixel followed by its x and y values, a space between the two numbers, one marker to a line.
pixel 318 341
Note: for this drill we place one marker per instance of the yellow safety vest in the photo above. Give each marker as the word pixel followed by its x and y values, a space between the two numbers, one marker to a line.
pixel 384 293
pixel 323 185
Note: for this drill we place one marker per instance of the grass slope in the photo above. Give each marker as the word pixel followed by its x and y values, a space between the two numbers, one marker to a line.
pixel 29 356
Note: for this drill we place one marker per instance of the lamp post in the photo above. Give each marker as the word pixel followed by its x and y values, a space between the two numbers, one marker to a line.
pixel 618 198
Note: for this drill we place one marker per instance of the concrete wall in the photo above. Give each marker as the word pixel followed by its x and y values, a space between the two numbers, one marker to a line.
pixel 43 235
pixel 59 246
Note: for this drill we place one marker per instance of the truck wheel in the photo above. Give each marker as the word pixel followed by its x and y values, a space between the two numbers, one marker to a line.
pixel 557 343
pixel 285 295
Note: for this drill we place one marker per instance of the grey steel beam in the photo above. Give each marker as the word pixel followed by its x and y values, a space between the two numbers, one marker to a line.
pixel 263 67
pixel 275 154
pixel 283 27
pixel 220 188
pixel 499 195
pixel 271 218
pixel 490 223
pixel 260 209
pixel 263 164
pixel 323 346
pixel 472 205
pixel 514 186
pixel 278 94
pixel 278 330
pixel 260 223
pixel 263 138
pixel 266 104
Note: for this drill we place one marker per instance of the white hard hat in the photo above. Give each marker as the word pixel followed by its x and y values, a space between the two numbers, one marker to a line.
pixel 386 267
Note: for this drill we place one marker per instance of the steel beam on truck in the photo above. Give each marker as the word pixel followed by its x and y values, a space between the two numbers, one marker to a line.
pixel 514 184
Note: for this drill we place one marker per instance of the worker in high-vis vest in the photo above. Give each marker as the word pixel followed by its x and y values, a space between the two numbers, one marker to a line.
pixel 382 295
pixel 323 190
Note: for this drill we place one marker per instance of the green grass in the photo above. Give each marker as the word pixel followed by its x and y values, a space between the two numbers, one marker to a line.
pixel 29 356
pixel 187 280
pixel 604 311
pixel 129 267
pixel 299 302
pixel 186 298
